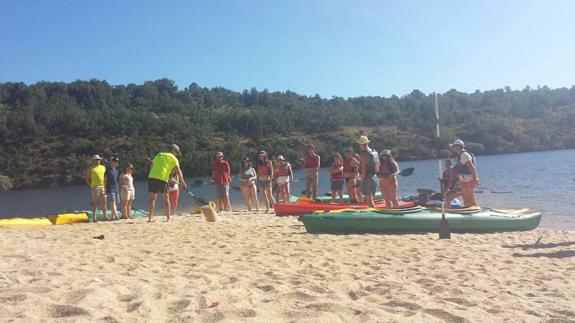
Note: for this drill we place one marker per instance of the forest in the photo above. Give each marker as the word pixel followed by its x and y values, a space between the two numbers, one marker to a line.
pixel 49 130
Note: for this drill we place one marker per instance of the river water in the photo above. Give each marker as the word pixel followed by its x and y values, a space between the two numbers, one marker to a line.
pixel 543 181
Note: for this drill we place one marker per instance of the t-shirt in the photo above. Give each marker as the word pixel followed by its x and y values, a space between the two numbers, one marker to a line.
pixel 97 176
pixel 221 172
pixel 127 182
pixel 112 180
pixel 246 174
pixel 163 165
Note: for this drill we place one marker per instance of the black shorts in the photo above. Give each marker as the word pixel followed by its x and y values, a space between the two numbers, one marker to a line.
pixel 157 186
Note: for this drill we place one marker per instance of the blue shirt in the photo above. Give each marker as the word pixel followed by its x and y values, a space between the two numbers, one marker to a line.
pixel 112 180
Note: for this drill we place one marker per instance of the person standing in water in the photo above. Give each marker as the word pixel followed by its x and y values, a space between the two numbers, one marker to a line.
pixel 265 172
pixel 221 173
pixel 162 165
pixel 468 178
pixel 113 186
pixel 248 178
pixel 127 192
pixel 311 165
pixel 388 171
pixel 96 179
pixel 368 166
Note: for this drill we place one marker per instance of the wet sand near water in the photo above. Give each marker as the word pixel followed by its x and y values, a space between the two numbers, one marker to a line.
pixel 260 268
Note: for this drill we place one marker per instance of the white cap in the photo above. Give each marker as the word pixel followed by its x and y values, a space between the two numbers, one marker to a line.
pixel 219 154
pixel 96 157
pixel 280 157
pixel 458 142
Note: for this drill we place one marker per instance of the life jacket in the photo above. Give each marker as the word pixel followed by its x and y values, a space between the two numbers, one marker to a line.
pixel 387 167
pixel 310 161
pixel 373 164
pixel 284 170
pixel 264 168
pixel 337 176
pixel 462 169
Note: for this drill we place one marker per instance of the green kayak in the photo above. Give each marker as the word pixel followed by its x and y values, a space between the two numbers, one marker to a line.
pixel 418 219
pixel 327 198
pixel 100 217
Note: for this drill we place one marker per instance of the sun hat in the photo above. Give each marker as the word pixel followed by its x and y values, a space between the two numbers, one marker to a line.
pixel 281 157
pixel 115 159
pixel 262 153
pixel 363 140
pixel 219 154
pixel 96 157
pixel 457 142
pixel 246 160
pixel 176 148
pixel 386 152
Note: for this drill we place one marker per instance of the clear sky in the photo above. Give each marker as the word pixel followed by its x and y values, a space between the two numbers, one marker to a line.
pixel 328 47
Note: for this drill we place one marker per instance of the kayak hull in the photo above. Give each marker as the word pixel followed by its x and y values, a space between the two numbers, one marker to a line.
pixel 422 220
pixel 305 207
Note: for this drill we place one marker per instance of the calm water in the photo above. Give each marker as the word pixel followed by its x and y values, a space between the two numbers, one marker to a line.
pixel 544 181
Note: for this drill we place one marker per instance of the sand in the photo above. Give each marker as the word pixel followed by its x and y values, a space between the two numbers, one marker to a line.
pixel 261 268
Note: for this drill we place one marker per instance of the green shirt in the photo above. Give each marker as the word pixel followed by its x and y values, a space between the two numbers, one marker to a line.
pixel 97 176
pixel 162 166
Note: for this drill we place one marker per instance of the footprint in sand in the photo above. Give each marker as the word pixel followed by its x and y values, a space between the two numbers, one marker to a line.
pixel 444 315
pixel 407 305
pixel 77 295
pixel 64 311
pixel 179 306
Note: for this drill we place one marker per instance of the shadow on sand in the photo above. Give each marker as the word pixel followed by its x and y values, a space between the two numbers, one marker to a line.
pixel 557 254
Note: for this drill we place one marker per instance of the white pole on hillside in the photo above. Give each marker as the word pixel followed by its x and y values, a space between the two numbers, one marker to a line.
pixel 437 132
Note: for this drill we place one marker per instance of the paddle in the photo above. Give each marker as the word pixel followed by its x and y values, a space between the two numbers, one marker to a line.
pixel 199 200
pixel 444 229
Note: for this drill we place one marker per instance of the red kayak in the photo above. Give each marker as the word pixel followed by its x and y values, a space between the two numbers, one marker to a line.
pixel 306 207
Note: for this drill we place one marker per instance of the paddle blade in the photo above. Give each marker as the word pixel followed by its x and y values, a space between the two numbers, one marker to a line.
pixel 444 229
pixel 407 171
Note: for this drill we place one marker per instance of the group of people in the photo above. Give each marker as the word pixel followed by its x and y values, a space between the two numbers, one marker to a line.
pixel 361 173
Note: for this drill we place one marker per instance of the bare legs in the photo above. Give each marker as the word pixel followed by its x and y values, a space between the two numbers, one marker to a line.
pixel 250 196
pixel 127 208
pixel 152 205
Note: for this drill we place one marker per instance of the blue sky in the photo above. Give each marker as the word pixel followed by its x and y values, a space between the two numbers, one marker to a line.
pixel 342 48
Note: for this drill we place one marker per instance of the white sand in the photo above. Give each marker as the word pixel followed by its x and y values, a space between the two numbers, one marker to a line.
pixel 261 268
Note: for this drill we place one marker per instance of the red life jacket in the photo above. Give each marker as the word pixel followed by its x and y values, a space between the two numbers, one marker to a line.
pixel 311 161
pixel 283 170
pixel 264 168
pixel 337 176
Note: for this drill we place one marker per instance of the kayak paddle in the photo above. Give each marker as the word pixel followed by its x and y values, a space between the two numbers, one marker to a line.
pixel 199 200
pixel 407 172
pixel 444 229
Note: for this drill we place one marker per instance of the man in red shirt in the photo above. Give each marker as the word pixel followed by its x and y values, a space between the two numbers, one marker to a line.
pixel 221 177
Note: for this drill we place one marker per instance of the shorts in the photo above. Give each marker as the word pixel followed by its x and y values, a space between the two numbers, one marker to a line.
pixel 369 186
pixel 98 192
pixel 263 184
pixel 353 181
pixel 114 197
pixel 283 179
pixel 468 185
pixel 127 195
pixel 222 191
pixel 157 186
pixel 336 186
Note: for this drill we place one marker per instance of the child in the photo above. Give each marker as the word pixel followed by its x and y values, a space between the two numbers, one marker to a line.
pixel 336 171
pixel 127 193
pixel 284 177
pixel 173 192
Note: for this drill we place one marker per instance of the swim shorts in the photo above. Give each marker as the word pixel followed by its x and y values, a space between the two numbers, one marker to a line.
pixel 98 192
pixel 157 186
pixel 468 185
pixel 369 185
pixel 263 184
pixel 222 191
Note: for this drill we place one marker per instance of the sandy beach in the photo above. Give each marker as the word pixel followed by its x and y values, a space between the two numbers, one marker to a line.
pixel 261 268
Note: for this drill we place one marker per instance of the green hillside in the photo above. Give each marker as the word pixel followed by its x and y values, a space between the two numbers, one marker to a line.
pixel 48 130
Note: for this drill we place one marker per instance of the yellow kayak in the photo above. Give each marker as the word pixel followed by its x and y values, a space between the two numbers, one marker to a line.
pixel 64 218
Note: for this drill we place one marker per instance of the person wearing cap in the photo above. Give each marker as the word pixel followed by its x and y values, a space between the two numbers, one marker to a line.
pixel 284 175
pixel 351 175
pixel 113 186
pixel 265 170
pixel 221 176
pixel 162 165
pixel 248 176
pixel 336 177
pixel 368 168
pixel 388 171
pixel 311 165
pixel 127 191
pixel 96 179
pixel 468 178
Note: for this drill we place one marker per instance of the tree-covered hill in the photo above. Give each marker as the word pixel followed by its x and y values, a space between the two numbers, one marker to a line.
pixel 48 130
